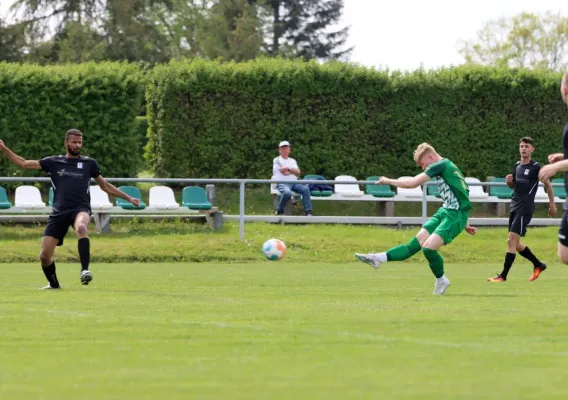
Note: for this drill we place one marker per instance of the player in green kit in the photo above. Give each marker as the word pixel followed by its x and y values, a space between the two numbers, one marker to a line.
pixel 444 226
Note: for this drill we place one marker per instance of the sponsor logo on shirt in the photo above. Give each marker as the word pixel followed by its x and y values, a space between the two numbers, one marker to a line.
pixel 77 175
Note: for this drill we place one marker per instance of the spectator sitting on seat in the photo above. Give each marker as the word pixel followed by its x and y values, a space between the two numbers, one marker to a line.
pixel 285 168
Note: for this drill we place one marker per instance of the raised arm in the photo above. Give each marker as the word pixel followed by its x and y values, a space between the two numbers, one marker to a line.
pixel 407 183
pixel 17 160
pixel 552 158
pixel 550 192
pixel 548 171
pixel 113 190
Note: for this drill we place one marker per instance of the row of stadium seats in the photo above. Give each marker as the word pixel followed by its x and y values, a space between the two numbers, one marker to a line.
pixel 385 191
pixel 161 198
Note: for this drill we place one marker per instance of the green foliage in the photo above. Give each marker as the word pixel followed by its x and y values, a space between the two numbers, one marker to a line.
pixel 307 29
pixel 209 119
pixel 141 133
pixel 39 104
pixel 525 40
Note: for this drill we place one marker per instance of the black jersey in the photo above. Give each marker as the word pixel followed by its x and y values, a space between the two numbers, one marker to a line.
pixel 71 181
pixel 526 181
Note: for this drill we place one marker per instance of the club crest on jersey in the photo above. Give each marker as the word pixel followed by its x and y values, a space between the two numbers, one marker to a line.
pixel 80 165
pixel 526 171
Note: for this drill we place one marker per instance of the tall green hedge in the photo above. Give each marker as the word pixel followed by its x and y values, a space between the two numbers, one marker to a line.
pixel 39 104
pixel 208 119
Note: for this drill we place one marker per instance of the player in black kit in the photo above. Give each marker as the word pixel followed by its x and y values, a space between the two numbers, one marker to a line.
pixel 70 176
pixel 559 163
pixel 524 180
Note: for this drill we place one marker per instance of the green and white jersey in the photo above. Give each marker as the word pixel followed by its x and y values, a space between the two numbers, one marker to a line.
pixel 451 184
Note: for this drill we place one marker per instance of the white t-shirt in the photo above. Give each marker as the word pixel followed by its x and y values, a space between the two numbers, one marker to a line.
pixel 280 162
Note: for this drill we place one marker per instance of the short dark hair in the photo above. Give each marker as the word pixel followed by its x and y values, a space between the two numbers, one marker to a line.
pixel 527 139
pixel 73 132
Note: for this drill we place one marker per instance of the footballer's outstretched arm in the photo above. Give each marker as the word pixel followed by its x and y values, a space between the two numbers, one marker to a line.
pixel 17 160
pixel 548 171
pixel 113 191
pixel 406 183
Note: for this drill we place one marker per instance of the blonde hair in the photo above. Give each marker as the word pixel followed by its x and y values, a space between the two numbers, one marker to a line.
pixel 422 150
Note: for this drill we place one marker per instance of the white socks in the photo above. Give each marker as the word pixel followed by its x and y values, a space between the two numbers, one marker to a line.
pixel 382 257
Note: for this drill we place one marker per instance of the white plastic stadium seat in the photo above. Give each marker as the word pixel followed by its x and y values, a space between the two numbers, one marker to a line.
pixel 412 193
pixel 28 197
pixel 476 192
pixel 99 199
pixel 163 198
pixel 541 193
pixel 273 189
pixel 347 190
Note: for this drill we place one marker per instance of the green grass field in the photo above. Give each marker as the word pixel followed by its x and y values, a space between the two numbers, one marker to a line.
pixel 317 325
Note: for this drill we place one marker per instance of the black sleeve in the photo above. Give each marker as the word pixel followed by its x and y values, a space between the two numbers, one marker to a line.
pixel 515 173
pixel 46 163
pixel 95 170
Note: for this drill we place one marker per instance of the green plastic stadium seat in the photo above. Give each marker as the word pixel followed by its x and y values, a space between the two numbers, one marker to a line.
pixel 318 193
pixel 559 192
pixel 195 198
pixel 50 201
pixel 501 192
pixel 378 190
pixel 433 189
pixel 4 203
pixel 132 191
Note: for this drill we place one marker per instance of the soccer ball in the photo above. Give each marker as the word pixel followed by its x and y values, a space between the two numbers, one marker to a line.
pixel 274 249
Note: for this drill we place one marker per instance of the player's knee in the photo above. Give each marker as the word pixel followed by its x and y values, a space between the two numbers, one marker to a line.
pixel 45 257
pixel 82 229
pixel 563 255
pixel 286 194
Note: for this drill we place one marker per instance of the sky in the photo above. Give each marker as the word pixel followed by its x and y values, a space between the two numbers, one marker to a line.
pixel 405 34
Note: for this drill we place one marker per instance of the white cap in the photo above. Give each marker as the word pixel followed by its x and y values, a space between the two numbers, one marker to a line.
pixel 284 143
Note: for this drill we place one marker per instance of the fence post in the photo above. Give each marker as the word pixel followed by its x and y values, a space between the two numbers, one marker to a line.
pixel 211 196
pixel 242 210
pixel 424 202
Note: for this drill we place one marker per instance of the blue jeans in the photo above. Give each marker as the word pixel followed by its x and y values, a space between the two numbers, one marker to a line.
pixel 286 190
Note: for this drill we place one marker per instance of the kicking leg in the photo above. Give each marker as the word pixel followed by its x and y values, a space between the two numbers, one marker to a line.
pixel 398 253
pixel 48 245
pixel 84 245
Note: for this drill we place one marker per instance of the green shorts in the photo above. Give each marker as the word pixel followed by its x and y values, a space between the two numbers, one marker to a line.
pixel 447 223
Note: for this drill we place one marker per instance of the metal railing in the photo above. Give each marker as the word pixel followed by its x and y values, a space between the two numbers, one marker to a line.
pixel 243 182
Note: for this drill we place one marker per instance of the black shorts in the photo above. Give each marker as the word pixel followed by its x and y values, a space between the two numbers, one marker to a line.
pixel 563 231
pixel 518 223
pixel 58 225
